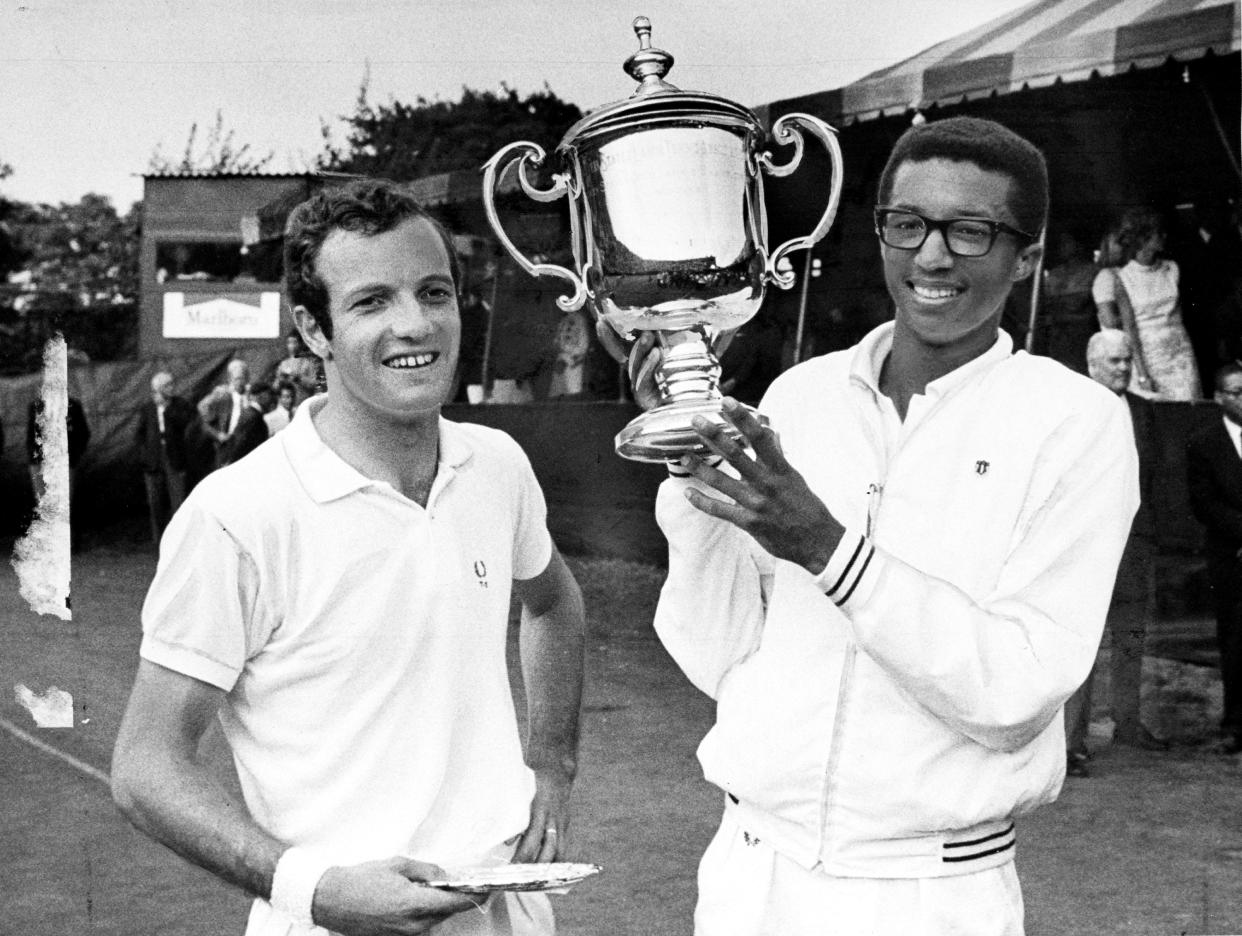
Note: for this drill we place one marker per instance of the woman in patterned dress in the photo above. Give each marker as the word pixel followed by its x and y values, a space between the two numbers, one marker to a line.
pixel 1142 297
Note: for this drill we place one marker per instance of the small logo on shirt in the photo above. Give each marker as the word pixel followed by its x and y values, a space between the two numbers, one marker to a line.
pixel 480 572
pixel 981 467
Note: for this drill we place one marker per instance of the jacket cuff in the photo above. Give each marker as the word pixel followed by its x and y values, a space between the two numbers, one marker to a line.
pixel 850 572
pixel 676 471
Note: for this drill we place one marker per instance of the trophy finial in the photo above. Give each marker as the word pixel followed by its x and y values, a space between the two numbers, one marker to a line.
pixel 648 65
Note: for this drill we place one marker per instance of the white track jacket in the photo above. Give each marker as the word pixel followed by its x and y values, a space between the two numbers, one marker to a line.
pixel 890 717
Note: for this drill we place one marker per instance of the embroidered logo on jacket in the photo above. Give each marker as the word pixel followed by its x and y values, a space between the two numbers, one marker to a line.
pixel 981 467
pixel 480 572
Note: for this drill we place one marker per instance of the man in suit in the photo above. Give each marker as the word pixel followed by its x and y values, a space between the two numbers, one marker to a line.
pixel 222 408
pixel 1109 361
pixel 251 429
pixel 161 446
pixel 1214 463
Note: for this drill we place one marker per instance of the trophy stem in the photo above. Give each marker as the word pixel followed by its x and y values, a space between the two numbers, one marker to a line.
pixel 688 378
pixel 688 369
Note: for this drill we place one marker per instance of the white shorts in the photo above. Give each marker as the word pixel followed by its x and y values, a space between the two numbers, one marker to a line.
pixel 747 889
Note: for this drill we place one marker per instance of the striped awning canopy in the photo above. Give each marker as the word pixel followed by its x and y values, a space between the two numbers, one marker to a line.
pixel 1034 46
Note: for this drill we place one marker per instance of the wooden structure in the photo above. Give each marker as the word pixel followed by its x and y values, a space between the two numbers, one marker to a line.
pixel 209 265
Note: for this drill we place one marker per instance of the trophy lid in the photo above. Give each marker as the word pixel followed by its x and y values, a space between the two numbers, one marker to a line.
pixel 656 102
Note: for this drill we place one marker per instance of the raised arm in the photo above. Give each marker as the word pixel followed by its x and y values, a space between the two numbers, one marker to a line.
pixel 161 786
pixel 551 639
pixel 997 669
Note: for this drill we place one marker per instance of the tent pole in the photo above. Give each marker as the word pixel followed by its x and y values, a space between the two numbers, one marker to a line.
pixel 1036 286
pixel 806 281
pixel 485 366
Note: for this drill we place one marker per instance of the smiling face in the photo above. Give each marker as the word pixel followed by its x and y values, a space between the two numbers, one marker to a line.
pixel 395 324
pixel 948 304
pixel 1229 396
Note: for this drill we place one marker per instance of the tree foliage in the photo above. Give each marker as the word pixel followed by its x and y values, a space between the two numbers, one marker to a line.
pixel 219 153
pixel 74 270
pixel 10 253
pixel 404 142
pixel 79 254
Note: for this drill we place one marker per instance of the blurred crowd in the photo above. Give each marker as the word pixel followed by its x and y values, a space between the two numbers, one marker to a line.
pixel 180 443
pixel 1172 285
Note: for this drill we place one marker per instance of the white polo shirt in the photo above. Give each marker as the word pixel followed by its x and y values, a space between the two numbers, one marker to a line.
pixel 360 639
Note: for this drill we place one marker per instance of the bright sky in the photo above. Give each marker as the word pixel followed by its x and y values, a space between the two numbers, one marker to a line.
pixel 90 88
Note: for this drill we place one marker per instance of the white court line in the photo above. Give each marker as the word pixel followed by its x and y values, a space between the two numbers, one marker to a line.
pixel 93 772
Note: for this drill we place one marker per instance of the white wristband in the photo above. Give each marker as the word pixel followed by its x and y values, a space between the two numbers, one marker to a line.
pixel 293 883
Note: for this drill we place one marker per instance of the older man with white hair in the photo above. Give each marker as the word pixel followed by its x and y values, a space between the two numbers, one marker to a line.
pixel 1110 357
pixel 222 408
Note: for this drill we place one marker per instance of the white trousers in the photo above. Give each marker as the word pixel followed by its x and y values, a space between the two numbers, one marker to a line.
pixel 747 889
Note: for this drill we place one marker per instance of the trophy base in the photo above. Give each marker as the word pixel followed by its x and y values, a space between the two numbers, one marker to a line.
pixel 665 432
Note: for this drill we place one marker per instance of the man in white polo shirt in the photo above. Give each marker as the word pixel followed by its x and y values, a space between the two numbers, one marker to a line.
pixel 893 590
pixel 340 599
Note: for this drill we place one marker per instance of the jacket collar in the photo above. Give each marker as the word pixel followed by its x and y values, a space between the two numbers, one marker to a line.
pixel 870 354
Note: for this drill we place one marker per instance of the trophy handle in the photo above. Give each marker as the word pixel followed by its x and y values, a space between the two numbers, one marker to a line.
pixel 784 132
pixel 493 170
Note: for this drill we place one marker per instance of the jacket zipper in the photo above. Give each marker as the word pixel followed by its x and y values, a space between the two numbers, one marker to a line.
pixel 834 750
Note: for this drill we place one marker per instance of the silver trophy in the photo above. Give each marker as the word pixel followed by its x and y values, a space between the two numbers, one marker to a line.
pixel 668 229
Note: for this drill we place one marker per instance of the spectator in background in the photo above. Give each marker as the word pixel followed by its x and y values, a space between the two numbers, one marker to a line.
pixel 161 444
pixel 1109 361
pixel 571 343
pixel 298 369
pixel 1142 298
pixel 1214 464
pixel 1067 316
pixel 251 429
pixel 1206 245
pixel 282 412
pixel 221 409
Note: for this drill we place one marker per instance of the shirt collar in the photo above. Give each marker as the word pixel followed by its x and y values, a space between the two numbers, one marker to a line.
pixel 1235 433
pixel 873 350
pixel 326 476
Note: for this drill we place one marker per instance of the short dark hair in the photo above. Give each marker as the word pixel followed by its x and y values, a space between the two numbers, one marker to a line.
pixel 1231 369
pixel 1135 229
pixel 990 146
pixel 366 206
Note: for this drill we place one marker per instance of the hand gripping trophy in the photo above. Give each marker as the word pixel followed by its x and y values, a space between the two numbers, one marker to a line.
pixel 668 230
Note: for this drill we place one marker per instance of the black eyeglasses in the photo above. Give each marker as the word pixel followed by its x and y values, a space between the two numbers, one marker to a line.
pixel 965 237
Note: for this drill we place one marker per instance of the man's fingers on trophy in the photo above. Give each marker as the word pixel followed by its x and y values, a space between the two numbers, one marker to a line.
pixel 643 355
pixel 761 438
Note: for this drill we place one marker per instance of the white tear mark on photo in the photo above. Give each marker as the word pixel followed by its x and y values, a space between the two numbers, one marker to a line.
pixel 42 556
pixel 50 709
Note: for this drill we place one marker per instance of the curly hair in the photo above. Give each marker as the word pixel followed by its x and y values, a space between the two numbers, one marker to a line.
pixel 990 146
pixel 368 207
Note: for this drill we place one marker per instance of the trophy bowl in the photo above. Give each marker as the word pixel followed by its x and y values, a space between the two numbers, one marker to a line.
pixel 668 231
